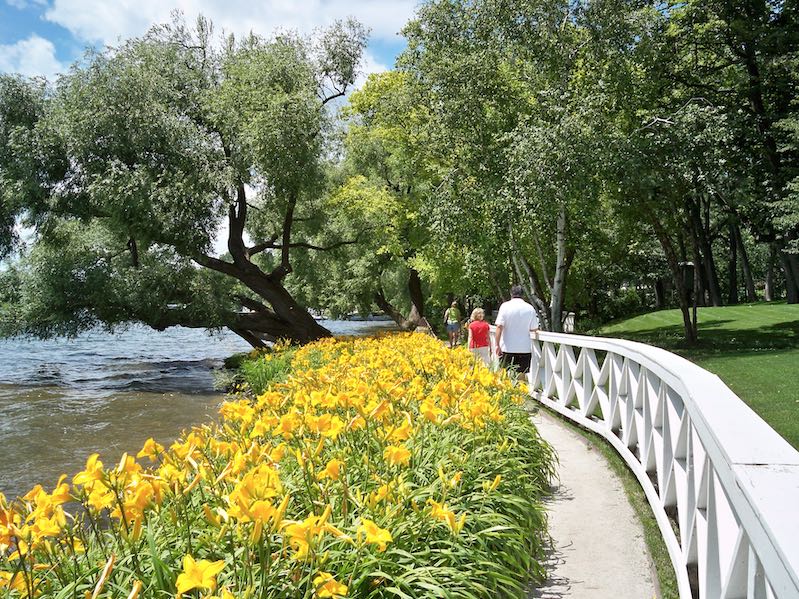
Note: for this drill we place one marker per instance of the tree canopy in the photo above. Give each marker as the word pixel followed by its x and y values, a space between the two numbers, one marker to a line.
pixel 610 156
pixel 130 164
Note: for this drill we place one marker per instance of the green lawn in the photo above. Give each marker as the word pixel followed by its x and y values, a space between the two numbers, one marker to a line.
pixel 754 348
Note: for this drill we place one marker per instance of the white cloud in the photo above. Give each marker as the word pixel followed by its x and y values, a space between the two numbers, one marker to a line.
pixel 23 4
pixel 369 65
pixel 31 57
pixel 102 21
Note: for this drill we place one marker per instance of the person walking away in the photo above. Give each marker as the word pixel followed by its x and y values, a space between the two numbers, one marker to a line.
pixel 478 336
pixel 452 318
pixel 515 319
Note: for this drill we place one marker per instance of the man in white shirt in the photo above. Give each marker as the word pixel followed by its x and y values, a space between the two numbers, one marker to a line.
pixel 515 319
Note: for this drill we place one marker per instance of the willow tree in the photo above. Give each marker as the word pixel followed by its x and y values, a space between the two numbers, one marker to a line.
pixel 131 164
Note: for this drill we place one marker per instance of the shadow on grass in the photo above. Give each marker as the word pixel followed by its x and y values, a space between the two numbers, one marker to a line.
pixel 717 336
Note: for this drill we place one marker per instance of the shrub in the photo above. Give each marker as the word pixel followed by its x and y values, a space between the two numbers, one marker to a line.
pixel 376 468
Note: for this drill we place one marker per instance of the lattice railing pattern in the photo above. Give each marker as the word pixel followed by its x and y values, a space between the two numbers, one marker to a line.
pixel 722 484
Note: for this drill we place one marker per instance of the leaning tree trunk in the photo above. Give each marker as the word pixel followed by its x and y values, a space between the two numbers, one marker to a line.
pixel 275 314
pixel 391 311
pixel 682 290
pixel 416 313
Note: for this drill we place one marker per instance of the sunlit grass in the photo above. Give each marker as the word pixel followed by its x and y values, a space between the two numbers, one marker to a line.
pixel 754 348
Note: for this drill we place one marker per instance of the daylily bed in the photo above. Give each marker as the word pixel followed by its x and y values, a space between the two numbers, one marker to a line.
pixel 388 467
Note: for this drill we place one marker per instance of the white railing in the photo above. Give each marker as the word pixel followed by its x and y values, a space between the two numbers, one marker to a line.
pixel 723 485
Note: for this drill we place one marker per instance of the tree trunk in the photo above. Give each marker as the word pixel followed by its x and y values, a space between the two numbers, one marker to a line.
pixel 417 303
pixel 758 107
pixel 287 319
pixel 699 281
pixel 791 283
pixel 279 316
pixel 249 337
pixel 529 280
pixel 390 310
pixel 531 288
pixel 660 295
pixel 792 261
pixel 746 267
pixel 769 290
pixel 283 318
pixel 682 291
pixel 711 273
pixel 694 316
pixel 559 283
pixel 417 297
pixel 732 296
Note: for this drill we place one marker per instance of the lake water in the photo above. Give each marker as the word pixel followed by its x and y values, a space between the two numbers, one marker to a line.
pixel 61 400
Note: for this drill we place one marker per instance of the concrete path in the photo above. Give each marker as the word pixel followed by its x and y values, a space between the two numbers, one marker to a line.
pixel 598 548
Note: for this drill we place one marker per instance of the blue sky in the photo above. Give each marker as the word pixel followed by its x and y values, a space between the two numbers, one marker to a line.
pixel 42 37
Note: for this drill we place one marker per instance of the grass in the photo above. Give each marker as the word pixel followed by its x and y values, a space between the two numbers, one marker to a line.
pixel 754 348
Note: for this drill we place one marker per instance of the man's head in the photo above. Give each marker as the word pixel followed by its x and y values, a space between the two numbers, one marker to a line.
pixel 516 291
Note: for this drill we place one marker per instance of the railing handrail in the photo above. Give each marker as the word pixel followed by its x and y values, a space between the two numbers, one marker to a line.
pixel 757 468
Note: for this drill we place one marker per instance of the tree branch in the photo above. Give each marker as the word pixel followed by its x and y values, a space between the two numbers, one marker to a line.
pixel 332 97
pixel 279 273
pixel 263 246
pixel 218 265
pixel 271 245
pixel 252 304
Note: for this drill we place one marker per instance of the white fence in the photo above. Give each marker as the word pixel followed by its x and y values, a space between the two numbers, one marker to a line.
pixel 723 485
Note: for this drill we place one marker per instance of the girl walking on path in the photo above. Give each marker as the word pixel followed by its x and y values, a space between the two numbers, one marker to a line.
pixel 452 318
pixel 478 336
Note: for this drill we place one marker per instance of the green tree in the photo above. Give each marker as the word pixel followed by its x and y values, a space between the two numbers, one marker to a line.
pixel 522 97
pixel 738 56
pixel 130 164
pixel 382 196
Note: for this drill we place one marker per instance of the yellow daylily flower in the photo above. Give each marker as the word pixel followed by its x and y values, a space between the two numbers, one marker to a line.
pixel 93 471
pixel 488 487
pixel 397 455
pixel 199 574
pixel 332 470
pixel 327 586
pixel 151 450
pixel 374 534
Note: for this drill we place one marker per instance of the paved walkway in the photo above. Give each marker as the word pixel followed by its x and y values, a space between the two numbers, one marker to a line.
pixel 598 548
